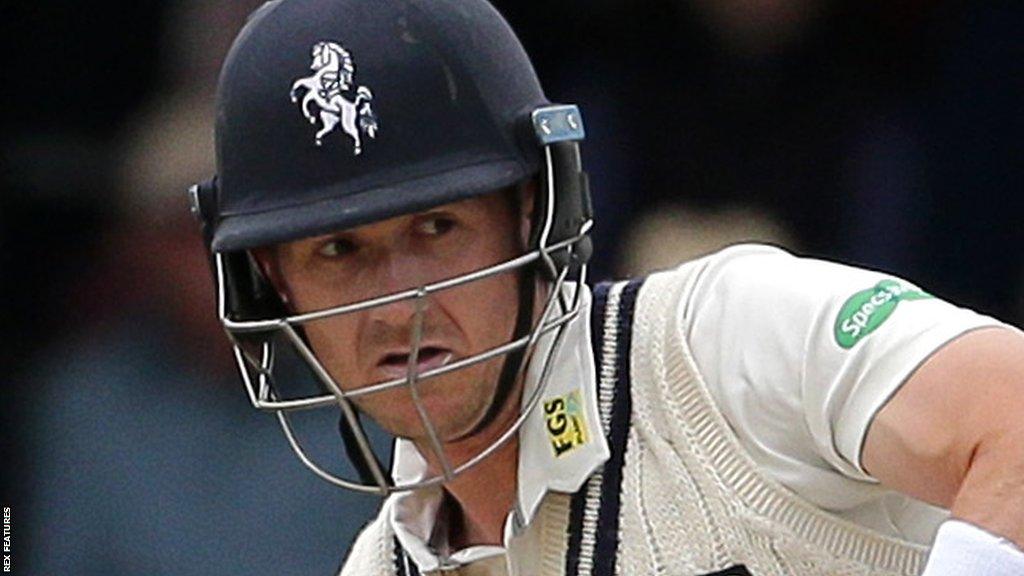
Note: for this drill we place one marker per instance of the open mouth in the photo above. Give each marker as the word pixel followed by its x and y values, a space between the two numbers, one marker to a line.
pixel 396 365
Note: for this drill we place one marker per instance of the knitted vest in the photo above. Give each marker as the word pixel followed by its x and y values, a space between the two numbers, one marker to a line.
pixel 679 495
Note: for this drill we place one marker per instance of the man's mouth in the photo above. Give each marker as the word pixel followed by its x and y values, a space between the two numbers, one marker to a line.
pixel 396 365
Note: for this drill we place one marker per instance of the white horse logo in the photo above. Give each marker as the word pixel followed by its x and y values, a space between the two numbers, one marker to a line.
pixel 332 79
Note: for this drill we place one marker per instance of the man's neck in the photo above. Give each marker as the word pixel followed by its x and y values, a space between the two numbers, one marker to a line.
pixel 478 500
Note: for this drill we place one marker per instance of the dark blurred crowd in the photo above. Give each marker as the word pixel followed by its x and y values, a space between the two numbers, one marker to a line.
pixel 885 134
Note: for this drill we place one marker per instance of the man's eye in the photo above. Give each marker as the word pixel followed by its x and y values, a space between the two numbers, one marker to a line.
pixel 337 248
pixel 436 226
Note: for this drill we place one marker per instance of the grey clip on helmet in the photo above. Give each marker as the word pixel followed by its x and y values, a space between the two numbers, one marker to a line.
pixel 332 114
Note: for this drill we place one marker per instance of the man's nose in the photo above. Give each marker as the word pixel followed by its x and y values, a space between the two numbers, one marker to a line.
pixel 397 274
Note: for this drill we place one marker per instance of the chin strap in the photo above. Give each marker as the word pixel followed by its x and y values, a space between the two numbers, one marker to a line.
pixel 513 363
pixel 356 455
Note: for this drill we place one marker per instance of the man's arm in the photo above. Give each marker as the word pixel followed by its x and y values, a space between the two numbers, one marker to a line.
pixel 953 435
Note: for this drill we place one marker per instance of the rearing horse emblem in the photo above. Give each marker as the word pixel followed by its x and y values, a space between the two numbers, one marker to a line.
pixel 325 96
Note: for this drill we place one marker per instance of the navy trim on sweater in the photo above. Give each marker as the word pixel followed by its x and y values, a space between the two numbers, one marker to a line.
pixel 404 565
pixel 606 550
pixel 575 527
pixel 606 537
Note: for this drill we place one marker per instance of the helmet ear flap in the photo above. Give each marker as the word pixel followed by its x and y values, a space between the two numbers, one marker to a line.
pixel 572 206
pixel 250 295
pixel 360 460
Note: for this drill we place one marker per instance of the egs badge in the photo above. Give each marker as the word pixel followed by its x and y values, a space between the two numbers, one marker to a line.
pixel 566 423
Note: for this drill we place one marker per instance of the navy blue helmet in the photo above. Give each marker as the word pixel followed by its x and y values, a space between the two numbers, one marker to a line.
pixel 332 114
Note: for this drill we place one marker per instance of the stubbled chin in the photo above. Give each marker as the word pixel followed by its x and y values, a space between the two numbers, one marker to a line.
pixel 448 411
pixel 456 403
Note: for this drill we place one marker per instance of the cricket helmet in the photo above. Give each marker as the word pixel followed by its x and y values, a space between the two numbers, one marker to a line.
pixel 331 114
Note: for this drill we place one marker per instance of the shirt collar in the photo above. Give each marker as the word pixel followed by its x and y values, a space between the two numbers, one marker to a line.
pixel 561 443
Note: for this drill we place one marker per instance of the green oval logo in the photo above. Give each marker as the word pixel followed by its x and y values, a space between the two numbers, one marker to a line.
pixel 866 310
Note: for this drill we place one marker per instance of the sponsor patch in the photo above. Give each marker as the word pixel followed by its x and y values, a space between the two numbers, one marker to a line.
pixel 866 310
pixel 566 423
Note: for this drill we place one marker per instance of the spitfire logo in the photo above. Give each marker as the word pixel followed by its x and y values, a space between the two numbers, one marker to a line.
pixel 325 96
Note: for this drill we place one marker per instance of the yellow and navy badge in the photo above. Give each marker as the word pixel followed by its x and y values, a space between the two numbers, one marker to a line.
pixel 566 422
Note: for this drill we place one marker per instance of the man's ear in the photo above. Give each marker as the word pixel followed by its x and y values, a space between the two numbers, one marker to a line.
pixel 266 259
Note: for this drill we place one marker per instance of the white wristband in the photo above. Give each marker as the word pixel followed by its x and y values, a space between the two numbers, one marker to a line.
pixel 962 549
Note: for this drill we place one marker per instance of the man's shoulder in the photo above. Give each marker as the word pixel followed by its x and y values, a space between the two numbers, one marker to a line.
pixel 737 267
pixel 728 256
pixel 372 552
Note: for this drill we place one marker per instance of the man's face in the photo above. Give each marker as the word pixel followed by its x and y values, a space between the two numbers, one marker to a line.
pixel 374 346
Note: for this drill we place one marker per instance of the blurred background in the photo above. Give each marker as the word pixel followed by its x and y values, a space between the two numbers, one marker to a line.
pixel 885 134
